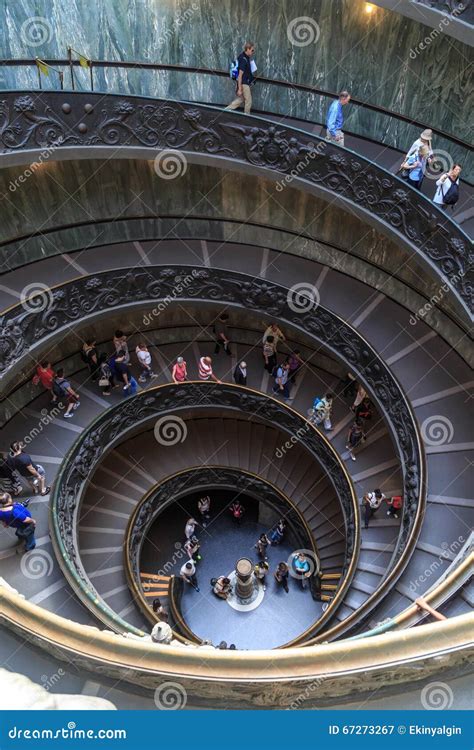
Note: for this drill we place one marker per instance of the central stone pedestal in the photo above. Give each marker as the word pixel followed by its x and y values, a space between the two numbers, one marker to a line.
pixel 245 578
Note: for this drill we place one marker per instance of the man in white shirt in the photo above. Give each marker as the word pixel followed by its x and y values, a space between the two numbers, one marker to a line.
pixel 144 362
pixel 188 574
pixel 371 502
pixel 444 184
pixel 190 527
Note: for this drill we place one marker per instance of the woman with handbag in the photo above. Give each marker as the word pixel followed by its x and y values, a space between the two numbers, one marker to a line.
pixel 105 375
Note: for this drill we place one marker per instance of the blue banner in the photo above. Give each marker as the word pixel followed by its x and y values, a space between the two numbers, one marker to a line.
pixel 236 730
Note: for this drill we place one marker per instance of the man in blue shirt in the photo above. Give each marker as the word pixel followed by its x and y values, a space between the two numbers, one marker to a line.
pixel 244 79
pixel 16 516
pixel 335 119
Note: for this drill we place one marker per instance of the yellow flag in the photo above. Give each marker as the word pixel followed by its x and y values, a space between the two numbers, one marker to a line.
pixel 84 62
pixel 42 66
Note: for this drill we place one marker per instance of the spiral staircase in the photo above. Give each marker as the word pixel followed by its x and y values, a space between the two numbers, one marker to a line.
pixel 414 365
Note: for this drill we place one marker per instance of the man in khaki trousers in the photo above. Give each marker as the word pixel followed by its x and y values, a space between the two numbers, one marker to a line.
pixel 244 80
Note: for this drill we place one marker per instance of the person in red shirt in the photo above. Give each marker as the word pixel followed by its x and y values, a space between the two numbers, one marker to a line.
pixel 237 511
pixel 179 372
pixel 45 375
pixel 394 506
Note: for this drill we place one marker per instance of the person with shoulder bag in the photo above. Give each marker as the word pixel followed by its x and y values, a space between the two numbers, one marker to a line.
pixel 413 169
pixel 447 188
pixel 105 375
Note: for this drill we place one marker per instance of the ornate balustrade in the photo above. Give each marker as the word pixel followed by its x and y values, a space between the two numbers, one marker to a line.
pixel 23 332
pixel 77 125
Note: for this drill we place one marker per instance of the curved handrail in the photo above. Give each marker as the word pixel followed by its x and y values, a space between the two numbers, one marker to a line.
pixel 448 585
pixel 202 479
pixel 117 421
pixel 280 675
pixel 93 125
pixel 280 83
pixel 88 298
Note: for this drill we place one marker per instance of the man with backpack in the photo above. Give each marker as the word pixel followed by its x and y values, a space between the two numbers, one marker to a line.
pixel 242 72
pixel 21 462
pixel 321 411
pixel 62 389
pixel 447 188
pixel 18 517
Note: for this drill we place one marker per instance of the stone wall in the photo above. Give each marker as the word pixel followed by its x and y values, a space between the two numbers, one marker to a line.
pixel 374 55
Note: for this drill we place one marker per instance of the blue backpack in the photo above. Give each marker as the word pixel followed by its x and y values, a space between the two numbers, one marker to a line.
pixel 234 69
